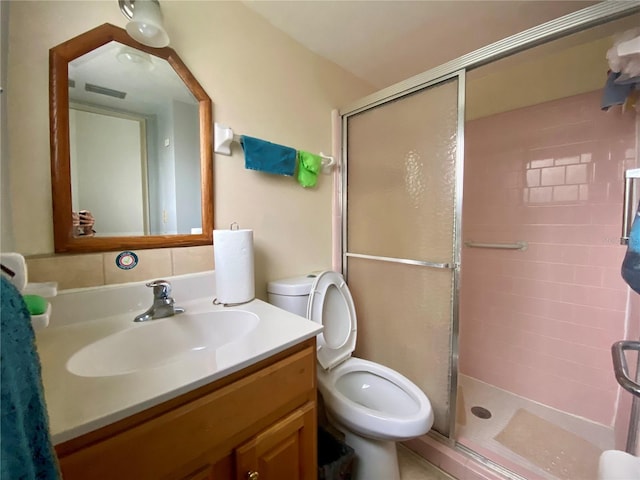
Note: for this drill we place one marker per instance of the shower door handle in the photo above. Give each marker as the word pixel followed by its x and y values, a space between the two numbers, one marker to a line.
pixel 620 365
pixel 405 261
pixel 628 203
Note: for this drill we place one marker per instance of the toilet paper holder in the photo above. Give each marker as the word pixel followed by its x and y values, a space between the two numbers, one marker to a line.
pixel 234 266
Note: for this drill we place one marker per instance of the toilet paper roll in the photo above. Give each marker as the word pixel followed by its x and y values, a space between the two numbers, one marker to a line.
pixel 233 253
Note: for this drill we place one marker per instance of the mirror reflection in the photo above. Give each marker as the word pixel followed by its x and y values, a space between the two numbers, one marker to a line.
pixel 134 145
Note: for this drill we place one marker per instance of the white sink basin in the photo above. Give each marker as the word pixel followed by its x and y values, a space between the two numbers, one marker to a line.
pixel 156 343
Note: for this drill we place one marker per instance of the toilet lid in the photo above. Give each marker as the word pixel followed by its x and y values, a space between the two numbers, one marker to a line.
pixel 331 305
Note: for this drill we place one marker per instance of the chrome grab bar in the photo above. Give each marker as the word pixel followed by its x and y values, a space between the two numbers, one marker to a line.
pixel 502 246
pixel 628 203
pixel 620 365
pixel 622 376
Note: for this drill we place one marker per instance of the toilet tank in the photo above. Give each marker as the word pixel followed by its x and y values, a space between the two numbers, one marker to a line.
pixel 291 294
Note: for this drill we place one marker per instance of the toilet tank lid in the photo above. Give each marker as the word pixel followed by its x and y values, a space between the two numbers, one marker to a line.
pixel 300 285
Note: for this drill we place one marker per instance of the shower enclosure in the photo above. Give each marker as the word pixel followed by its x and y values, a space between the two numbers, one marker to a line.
pixel 481 223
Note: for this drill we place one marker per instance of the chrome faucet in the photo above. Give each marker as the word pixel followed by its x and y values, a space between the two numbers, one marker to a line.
pixel 163 303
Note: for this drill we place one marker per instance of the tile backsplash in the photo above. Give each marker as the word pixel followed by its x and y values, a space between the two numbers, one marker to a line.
pixel 95 269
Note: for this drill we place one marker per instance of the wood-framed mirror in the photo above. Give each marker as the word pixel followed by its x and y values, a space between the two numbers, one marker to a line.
pixel 131 142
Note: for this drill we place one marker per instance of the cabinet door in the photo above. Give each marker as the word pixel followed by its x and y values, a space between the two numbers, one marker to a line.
pixel 205 473
pixel 220 470
pixel 284 451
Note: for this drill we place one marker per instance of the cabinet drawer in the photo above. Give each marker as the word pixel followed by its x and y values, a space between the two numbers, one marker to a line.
pixel 199 429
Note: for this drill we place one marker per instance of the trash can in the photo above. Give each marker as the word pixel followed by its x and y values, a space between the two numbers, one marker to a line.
pixel 335 458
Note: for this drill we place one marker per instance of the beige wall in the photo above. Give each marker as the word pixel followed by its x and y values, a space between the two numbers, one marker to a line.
pixel 531 82
pixel 262 84
pixel 6 237
pixel 569 66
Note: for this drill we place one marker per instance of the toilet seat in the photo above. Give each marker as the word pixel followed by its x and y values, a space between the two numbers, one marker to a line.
pixel 331 305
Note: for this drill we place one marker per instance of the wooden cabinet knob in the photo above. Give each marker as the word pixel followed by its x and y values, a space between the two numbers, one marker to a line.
pixel 253 476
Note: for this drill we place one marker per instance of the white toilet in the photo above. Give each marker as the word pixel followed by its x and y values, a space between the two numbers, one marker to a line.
pixel 618 465
pixel 373 405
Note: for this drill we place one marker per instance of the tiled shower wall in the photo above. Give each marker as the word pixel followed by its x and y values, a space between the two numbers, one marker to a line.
pixel 540 322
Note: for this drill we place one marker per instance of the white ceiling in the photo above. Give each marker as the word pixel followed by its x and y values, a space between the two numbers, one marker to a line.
pixel 387 41
pixel 149 82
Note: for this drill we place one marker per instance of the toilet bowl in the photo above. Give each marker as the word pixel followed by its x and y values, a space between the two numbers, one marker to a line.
pixel 375 401
pixel 373 405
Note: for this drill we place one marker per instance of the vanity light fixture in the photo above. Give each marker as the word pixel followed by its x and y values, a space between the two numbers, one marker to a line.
pixel 145 22
pixel 135 58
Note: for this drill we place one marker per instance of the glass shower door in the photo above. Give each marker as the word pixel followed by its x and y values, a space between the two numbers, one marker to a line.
pixel 403 173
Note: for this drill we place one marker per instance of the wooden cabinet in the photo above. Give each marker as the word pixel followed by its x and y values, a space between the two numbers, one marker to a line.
pixel 285 450
pixel 205 473
pixel 260 421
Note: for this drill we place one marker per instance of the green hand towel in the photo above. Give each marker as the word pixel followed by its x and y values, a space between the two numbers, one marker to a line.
pixel 309 165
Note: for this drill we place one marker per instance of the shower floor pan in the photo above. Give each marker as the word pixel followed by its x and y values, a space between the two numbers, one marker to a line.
pixel 531 439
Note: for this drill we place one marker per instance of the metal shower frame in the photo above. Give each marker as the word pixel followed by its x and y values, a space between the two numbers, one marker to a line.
pixel 563 26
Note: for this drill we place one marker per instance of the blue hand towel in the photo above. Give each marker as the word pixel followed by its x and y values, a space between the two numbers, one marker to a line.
pixel 631 263
pixel 268 157
pixel 25 445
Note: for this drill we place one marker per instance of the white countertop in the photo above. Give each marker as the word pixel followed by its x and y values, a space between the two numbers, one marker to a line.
pixel 78 405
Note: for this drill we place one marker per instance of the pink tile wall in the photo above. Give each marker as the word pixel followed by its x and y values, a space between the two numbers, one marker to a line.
pixel 540 323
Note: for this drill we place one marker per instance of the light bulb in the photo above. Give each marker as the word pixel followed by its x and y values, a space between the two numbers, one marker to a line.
pixel 147 30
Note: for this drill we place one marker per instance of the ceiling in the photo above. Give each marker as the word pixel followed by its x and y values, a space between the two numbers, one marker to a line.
pixel 146 83
pixel 387 41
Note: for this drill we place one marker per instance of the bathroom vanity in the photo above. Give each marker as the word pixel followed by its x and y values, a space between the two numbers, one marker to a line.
pixel 143 401
pixel 260 421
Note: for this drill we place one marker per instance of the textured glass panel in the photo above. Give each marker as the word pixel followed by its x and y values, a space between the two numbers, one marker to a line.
pixel 401 180
pixel 404 322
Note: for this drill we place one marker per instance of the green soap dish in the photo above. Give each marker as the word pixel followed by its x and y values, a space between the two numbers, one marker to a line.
pixel 36 304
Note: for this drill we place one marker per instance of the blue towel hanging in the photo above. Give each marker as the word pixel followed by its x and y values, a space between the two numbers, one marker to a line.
pixel 631 263
pixel 268 157
pixel 614 93
pixel 25 444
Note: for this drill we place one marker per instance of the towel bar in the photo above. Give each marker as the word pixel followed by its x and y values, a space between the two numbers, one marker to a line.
pixel 502 246
pixel 223 137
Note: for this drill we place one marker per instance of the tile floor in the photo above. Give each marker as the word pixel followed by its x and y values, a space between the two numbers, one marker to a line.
pixel 414 467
